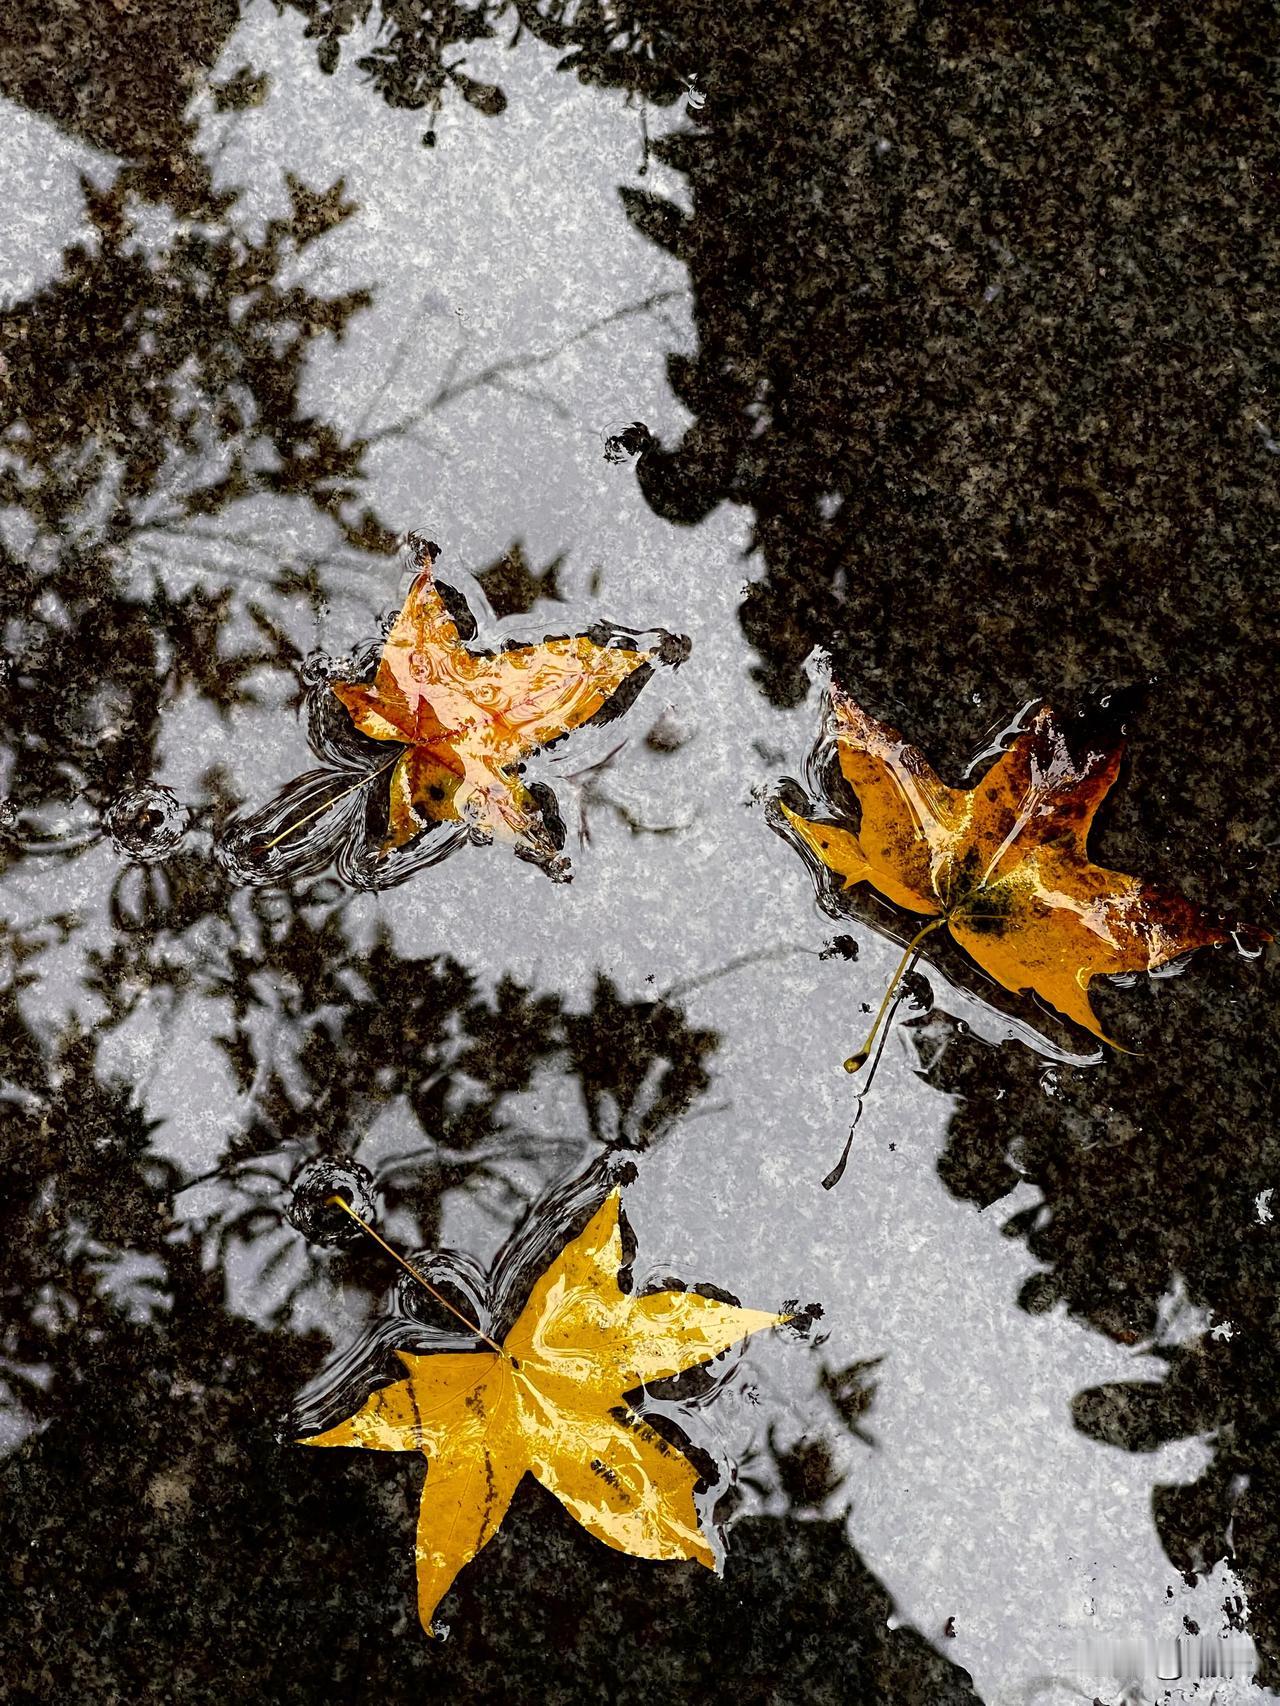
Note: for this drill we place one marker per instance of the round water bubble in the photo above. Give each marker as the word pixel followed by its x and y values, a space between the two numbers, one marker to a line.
pixel 311 1210
pixel 147 823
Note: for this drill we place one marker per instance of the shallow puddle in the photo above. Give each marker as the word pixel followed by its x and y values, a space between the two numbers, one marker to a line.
pixel 232 390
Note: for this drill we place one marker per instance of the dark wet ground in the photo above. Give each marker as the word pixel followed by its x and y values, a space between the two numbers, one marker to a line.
pixel 952 340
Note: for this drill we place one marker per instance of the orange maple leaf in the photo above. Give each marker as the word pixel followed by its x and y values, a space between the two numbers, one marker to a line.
pixel 1003 864
pixel 468 720
pixel 550 1401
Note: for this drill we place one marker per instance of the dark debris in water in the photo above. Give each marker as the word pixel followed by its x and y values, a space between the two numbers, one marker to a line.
pixel 147 823
pixel 513 586
pixel 842 947
pixel 627 443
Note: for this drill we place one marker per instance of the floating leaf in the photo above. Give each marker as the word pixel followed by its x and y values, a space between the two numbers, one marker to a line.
pixel 461 724
pixel 1002 864
pixel 551 1402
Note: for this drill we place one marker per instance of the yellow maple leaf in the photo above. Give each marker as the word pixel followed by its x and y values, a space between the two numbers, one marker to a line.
pixel 1002 864
pixel 551 1403
pixel 468 720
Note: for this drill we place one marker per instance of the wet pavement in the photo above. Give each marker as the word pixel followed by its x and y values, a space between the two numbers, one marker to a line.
pixel 933 353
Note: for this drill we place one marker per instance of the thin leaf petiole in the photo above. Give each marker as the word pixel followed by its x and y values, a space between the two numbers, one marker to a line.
pixel 467 1322
pixel 856 1061
pixel 362 783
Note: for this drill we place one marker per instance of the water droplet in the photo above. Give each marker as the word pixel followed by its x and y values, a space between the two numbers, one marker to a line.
pixel 147 823
pixel 314 1216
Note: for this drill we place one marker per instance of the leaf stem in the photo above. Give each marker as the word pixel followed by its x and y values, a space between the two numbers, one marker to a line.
pixel 834 1177
pixel 363 782
pixel 341 1202
pixel 856 1061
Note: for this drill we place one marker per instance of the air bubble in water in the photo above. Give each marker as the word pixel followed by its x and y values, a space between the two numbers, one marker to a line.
pixel 319 1220
pixel 147 823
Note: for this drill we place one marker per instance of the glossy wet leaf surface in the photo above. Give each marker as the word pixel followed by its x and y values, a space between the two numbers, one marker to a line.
pixel 469 721
pixel 465 721
pixel 552 1403
pixel 1003 863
